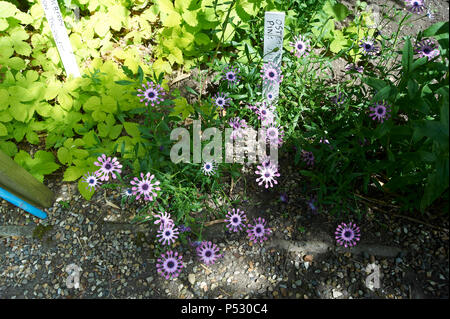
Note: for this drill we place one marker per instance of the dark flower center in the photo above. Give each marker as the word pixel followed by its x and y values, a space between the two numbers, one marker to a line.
pixel 107 166
pixel 299 46
pixel 380 110
pixel 145 187
pixel 167 233
pixel 92 181
pixel 219 101
pixel 426 50
pixel 207 166
pixel 208 253
pixel 267 175
pixel 235 220
pixel 258 230
pixel 151 95
pixel 170 264
pixel 230 76
pixel 367 46
pixel 347 234
pixel 271 74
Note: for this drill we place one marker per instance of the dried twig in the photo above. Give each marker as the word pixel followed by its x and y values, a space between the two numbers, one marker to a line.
pixel 410 219
pixel 217 221
pixel 206 268
pixel 180 78
pixel 376 201
pixel 109 203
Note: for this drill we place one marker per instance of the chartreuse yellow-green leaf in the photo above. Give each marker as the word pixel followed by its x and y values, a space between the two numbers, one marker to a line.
pixel 7 9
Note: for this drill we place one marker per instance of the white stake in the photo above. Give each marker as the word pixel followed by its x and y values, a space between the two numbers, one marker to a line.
pixel 273 38
pixel 55 20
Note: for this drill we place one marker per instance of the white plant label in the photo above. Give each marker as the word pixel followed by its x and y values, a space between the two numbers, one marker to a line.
pixel 373 280
pixel 273 40
pixel 59 31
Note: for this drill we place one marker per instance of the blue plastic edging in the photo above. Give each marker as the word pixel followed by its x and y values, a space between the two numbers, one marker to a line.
pixel 22 204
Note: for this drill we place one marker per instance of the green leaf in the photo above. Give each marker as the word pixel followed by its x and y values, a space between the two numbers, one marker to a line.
pixel 64 156
pixel 340 11
pixel 102 26
pixel 432 129
pixel 132 129
pixel 437 29
pixel 124 82
pixel 183 107
pixel 116 130
pixel 202 39
pixel 3 130
pixel 173 19
pixel 7 9
pixel 3 24
pixel 8 147
pixel 377 84
pixel 413 88
pixel 407 56
pixel 72 173
pixel 437 183
pixel 86 192
pixel 190 17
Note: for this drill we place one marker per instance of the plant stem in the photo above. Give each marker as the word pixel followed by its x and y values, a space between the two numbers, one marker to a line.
pixel 224 26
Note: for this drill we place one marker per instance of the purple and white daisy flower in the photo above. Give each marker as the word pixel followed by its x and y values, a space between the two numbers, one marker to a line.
pixel 151 94
pixel 163 219
pixel 274 134
pixel 221 100
pixel 92 180
pixel 145 187
pixel 312 205
pixel 235 220
pixel 194 243
pixel 354 67
pixel 170 264
pixel 265 112
pixel 415 6
pixel 268 174
pixel 107 166
pixel 284 198
pixel 301 46
pixel 266 162
pixel 308 158
pixel 427 48
pixel 259 231
pixel 128 192
pixel 231 74
pixel 184 229
pixel 338 99
pixel 380 111
pixel 369 46
pixel 271 73
pixel 208 252
pixel 239 126
pixel 347 235
pixel 209 168
pixel 270 97
pixel 168 234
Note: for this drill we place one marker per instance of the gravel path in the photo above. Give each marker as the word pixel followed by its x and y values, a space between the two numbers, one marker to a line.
pixel 300 260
